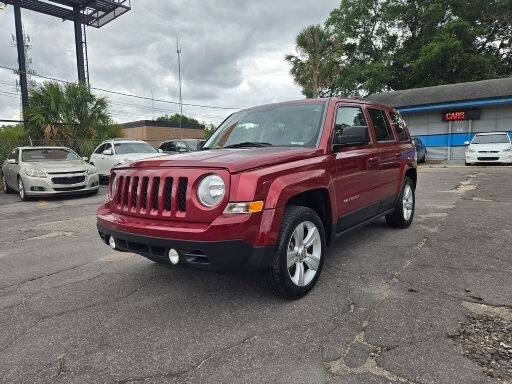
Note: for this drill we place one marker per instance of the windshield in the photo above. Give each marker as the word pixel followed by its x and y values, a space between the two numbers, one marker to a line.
pixel 48 154
pixel 126 148
pixel 491 139
pixel 282 125
pixel 193 144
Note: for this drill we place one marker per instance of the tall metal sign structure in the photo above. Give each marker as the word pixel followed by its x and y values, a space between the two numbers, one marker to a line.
pixel 83 13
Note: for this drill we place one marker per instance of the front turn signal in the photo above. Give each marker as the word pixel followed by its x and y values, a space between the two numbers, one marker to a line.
pixel 249 207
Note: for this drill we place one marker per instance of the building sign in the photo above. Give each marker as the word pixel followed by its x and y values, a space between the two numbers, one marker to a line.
pixel 468 114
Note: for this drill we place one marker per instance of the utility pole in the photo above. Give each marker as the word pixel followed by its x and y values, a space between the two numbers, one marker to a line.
pixel 22 65
pixel 178 51
pixel 80 63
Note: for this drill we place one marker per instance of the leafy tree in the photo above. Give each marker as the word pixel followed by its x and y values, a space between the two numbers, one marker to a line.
pixel 399 44
pixel 176 119
pixel 316 62
pixel 68 112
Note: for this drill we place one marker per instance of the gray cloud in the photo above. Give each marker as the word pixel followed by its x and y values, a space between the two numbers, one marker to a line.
pixel 232 52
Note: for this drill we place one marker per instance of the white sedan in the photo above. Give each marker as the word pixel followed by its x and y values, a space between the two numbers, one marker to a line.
pixel 114 152
pixel 45 171
pixel 490 147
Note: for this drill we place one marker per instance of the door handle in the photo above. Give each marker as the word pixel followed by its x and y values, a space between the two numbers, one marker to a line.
pixel 373 162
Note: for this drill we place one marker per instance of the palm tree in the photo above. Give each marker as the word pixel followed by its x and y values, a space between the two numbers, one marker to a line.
pixel 313 67
pixel 69 114
pixel 66 112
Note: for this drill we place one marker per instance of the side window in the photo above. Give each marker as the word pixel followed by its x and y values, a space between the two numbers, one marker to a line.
pixel 14 155
pixel 400 126
pixel 100 149
pixel 107 147
pixel 381 125
pixel 346 119
pixel 171 146
pixel 181 146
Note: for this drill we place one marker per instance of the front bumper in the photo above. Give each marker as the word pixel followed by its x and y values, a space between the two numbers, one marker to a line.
pixel 483 158
pixel 229 255
pixel 37 186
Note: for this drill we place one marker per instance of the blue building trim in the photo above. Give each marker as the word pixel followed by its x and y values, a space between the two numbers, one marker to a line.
pixel 448 140
pixel 456 104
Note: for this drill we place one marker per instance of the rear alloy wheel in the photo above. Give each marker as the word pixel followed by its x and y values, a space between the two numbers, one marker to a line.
pixel 299 256
pixel 6 188
pixel 403 214
pixel 21 190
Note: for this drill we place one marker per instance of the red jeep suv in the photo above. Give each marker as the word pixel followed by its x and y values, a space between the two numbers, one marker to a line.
pixel 268 191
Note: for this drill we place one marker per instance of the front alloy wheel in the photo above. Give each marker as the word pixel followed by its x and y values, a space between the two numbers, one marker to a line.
pixel 21 190
pixel 299 254
pixel 6 188
pixel 304 252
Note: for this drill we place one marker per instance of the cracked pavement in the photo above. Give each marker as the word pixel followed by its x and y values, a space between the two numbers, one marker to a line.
pixel 389 307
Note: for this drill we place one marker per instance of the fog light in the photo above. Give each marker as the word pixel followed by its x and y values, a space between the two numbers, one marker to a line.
pixel 174 256
pixel 112 242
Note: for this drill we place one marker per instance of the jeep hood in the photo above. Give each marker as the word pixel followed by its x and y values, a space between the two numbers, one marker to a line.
pixel 234 160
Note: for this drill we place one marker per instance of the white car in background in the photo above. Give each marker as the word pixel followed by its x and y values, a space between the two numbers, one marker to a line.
pixel 489 147
pixel 114 152
pixel 47 171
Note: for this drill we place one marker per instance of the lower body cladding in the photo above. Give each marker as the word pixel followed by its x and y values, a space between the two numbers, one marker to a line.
pixel 230 255
pixel 35 186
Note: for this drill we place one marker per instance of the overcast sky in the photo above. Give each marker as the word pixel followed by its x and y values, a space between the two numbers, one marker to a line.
pixel 232 53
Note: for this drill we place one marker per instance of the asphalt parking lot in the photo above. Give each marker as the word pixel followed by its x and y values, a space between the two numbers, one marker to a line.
pixel 430 304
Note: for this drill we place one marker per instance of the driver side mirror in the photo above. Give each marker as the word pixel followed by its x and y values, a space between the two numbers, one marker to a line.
pixel 160 150
pixel 11 161
pixel 466 142
pixel 85 158
pixel 351 137
pixel 107 152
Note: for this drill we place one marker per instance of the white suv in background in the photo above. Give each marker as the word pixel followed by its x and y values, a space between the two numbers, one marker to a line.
pixel 114 152
pixel 490 147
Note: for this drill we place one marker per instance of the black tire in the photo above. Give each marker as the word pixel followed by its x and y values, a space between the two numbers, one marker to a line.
pixel 21 190
pixel 276 277
pixel 467 164
pixel 398 218
pixel 6 188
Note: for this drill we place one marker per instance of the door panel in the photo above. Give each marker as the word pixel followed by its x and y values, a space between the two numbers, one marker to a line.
pixel 355 172
pixel 389 156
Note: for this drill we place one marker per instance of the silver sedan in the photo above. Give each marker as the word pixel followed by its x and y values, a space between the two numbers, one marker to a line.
pixel 44 171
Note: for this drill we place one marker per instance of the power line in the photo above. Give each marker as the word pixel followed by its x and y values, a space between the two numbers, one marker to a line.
pixel 123 93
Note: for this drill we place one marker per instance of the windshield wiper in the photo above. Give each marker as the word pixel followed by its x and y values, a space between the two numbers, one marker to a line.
pixel 248 144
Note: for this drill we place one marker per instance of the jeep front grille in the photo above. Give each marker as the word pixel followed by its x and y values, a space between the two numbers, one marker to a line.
pixel 145 194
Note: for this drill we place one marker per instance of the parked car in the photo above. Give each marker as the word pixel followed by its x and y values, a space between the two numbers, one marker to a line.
pixel 490 147
pixel 113 152
pixel 421 150
pixel 180 145
pixel 268 191
pixel 44 171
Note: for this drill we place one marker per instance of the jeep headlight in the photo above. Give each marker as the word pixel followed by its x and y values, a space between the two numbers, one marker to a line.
pixel 35 173
pixel 509 149
pixel 471 150
pixel 211 190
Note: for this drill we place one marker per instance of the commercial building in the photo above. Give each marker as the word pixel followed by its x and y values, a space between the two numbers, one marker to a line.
pixel 154 132
pixel 446 116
